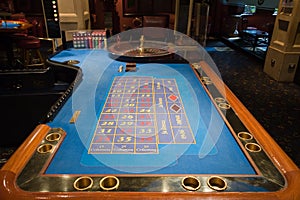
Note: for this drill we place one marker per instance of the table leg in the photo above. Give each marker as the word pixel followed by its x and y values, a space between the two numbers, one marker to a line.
pixel 255 42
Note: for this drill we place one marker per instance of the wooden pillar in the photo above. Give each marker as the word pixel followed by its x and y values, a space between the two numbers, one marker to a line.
pixel 188 32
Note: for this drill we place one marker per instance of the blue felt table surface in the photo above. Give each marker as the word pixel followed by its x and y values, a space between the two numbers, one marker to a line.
pixel 215 150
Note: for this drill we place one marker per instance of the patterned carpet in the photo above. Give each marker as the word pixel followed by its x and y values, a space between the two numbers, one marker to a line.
pixel 275 105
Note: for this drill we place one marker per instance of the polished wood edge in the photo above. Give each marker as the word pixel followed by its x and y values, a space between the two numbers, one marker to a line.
pixel 19 159
pixel 8 188
pixel 10 171
pixel 279 158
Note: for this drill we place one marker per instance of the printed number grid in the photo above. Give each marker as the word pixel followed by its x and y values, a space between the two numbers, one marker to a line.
pixel 140 113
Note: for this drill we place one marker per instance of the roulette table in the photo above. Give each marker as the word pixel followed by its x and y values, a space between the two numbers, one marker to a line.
pixel 156 130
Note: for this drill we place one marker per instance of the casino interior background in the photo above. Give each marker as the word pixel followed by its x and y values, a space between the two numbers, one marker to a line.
pixel 237 35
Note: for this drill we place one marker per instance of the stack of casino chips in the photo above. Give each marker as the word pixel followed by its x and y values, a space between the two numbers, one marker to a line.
pixel 89 39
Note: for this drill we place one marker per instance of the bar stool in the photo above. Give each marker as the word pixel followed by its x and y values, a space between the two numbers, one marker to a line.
pixel 31 55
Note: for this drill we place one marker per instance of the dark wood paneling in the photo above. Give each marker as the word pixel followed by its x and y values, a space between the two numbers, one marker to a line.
pixel 147 7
